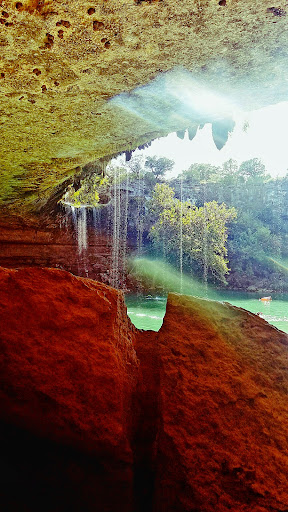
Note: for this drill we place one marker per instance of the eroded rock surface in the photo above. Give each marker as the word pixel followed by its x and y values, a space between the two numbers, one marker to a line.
pixel 222 441
pixel 68 372
pixel 26 243
pixel 196 421
pixel 62 61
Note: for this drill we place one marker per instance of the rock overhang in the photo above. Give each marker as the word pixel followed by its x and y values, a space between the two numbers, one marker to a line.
pixel 63 62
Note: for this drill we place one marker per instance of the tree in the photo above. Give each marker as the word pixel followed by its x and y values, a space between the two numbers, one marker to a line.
pixel 252 169
pixel 201 173
pixel 159 166
pixel 229 168
pixel 250 244
pixel 199 234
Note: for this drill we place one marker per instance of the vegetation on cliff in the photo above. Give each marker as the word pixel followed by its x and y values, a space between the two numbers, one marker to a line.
pixel 228 223
pixel 194 235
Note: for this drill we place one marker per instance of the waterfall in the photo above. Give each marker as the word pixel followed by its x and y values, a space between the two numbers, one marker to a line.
pixel 116 229
pixel 82 229
pixel 119 227
pixel 205 244
pixel 181 235
pixel 139 219
pixel 79 221
pixel 96 218
pixel 79 218
pixel 125 227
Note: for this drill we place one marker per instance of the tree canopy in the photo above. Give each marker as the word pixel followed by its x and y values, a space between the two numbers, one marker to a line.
pixel 159 166
pixel 199 235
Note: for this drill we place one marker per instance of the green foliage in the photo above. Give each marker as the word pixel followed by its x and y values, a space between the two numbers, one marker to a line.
pixel 189 221
pixel 261 229
pixel 252 168
pixel 159 166
pixel 90 191
pixel 229 169
pixel 200 173
pixel 200 234
pixel 251 241
pixel 150 180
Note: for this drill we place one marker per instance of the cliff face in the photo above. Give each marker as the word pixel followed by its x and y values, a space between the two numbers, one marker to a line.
pixel 96 415
pixel 26 243
pixel 223 408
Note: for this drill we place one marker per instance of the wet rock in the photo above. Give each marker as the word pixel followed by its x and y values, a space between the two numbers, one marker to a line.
pixel 26 243
pixel 221 130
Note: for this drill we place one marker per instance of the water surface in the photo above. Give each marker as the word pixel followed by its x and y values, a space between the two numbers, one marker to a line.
pixel 147 312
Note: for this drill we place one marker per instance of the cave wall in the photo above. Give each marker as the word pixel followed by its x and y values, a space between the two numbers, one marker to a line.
pixel 52 242
pixel 62 62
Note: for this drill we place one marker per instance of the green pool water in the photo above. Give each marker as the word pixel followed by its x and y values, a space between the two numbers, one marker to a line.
pixel 147 312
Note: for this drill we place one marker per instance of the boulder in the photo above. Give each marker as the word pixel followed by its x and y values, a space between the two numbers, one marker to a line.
pixel 196 421
pixel 223 413
pixel 68 371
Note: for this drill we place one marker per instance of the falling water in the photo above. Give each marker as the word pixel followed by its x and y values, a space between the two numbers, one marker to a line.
pixel 139 218
pixel 116 230
pixel 82 229
pixel 79 219
pixel 124 229
pixel 279 206
pixel 119 228
pixel 73 213
pixel 96 218
pixel 181 234
pixel 205 244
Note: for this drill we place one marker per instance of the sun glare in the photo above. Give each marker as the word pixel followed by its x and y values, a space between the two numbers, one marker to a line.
pixel 259 134
pixel 199 99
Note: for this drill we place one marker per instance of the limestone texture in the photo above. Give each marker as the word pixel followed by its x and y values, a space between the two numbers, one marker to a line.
pixel 63 61
pixel 26 242
pixel 97 415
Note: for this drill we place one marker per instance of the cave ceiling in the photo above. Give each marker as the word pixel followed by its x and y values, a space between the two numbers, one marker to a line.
pixel 81 81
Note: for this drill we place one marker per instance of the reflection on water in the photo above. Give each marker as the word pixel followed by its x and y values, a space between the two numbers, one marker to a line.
pixel 147 312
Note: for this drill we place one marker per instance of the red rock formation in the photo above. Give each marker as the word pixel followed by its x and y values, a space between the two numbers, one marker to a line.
pixel 45 243
pixel 68 370
pixel 222 442
pixel 202 422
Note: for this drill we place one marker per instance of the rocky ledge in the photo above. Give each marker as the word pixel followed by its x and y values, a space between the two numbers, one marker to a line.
pixel 97 415
pixel 62 62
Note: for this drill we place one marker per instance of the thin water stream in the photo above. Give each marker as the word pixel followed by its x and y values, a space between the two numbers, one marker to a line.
pixel 147 311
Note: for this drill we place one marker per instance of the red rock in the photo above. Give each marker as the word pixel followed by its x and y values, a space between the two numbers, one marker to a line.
pixel 43 242
pixel 200 425
pixel 222 442
pixel 68 371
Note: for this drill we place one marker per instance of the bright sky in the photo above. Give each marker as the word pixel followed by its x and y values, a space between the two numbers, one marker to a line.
pixel 266 138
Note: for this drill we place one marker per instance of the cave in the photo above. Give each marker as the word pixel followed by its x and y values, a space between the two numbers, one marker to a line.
pixel 101 411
